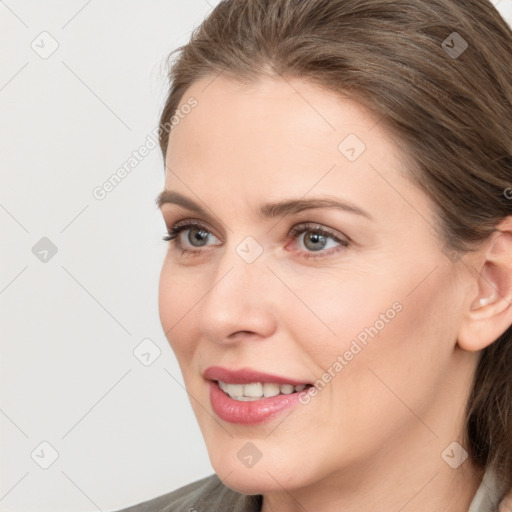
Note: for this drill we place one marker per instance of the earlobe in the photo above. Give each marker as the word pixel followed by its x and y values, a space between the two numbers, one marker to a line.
pixel 489 313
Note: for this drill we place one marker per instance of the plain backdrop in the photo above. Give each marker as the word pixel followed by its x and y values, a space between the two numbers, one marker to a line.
pixel 93 415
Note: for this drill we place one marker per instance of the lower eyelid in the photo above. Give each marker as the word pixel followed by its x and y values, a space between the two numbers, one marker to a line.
pixel 322 254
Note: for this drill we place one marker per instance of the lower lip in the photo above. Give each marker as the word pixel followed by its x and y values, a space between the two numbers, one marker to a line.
pixel 251 412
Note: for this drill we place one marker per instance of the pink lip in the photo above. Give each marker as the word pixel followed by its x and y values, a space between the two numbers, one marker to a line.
pixel 250 412
pixel 246 376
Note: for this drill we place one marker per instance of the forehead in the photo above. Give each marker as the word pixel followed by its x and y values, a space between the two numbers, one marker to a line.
pixel 293 108
pixel 283 137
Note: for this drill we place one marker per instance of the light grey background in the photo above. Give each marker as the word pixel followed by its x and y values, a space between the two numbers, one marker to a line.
pixel 121 426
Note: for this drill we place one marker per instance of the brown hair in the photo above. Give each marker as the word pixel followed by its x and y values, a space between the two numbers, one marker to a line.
pixel 450 113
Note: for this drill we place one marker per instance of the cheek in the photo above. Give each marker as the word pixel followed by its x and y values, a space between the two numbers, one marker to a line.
pixel 391 341
pixel 177 295
pixel 341 309
pixel 395 306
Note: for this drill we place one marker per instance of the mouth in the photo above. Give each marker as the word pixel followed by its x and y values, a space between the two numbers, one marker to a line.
pixel 258 390
pixel 247 396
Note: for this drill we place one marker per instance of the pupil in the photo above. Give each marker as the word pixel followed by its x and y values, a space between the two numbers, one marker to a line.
pixel 197 236
pixel 315 241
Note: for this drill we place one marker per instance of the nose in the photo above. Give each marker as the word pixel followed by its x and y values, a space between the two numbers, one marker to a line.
pixel 241 302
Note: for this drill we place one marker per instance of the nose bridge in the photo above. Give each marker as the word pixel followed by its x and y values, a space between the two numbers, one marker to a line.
pixel 237 299
pixel 241 269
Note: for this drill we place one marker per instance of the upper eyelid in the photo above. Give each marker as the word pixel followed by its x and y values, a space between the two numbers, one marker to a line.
pixel 314 226
pixel 207 223
pixel 189 222
pixel 192 222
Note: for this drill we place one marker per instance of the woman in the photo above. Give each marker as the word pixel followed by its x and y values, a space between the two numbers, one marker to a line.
pixel 338 280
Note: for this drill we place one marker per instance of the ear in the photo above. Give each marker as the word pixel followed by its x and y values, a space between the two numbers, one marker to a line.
pixel 489 310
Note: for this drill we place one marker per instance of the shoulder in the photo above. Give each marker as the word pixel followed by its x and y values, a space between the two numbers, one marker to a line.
pixel 208 494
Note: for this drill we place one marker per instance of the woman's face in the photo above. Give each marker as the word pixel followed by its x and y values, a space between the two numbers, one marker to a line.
pixel 269 276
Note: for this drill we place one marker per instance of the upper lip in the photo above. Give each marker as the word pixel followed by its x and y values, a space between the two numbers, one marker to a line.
pixel 246 376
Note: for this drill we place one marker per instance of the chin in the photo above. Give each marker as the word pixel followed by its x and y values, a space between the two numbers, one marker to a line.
pixel 263 477
pixel 249 482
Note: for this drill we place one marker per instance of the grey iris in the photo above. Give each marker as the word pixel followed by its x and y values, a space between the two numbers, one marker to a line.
pixel 314 241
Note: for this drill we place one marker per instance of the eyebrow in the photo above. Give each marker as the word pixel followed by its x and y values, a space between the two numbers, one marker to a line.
pixel 268 210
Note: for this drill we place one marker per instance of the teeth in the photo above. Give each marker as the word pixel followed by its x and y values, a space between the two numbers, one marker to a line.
pixel 270 389
pixel 253 390
pixel 287 389
pixel 257 390
pixel 234 390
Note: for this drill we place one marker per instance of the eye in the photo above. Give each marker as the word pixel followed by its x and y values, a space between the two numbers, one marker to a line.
pixel 310 239
pixel 190 236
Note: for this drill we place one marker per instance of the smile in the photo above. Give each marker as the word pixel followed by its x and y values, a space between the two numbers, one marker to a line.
pixel 257 390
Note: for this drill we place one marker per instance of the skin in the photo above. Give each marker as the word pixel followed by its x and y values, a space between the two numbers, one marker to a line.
pixel 372 438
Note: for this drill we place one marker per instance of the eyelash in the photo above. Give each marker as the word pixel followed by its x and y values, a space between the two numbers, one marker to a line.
pixel 177 229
